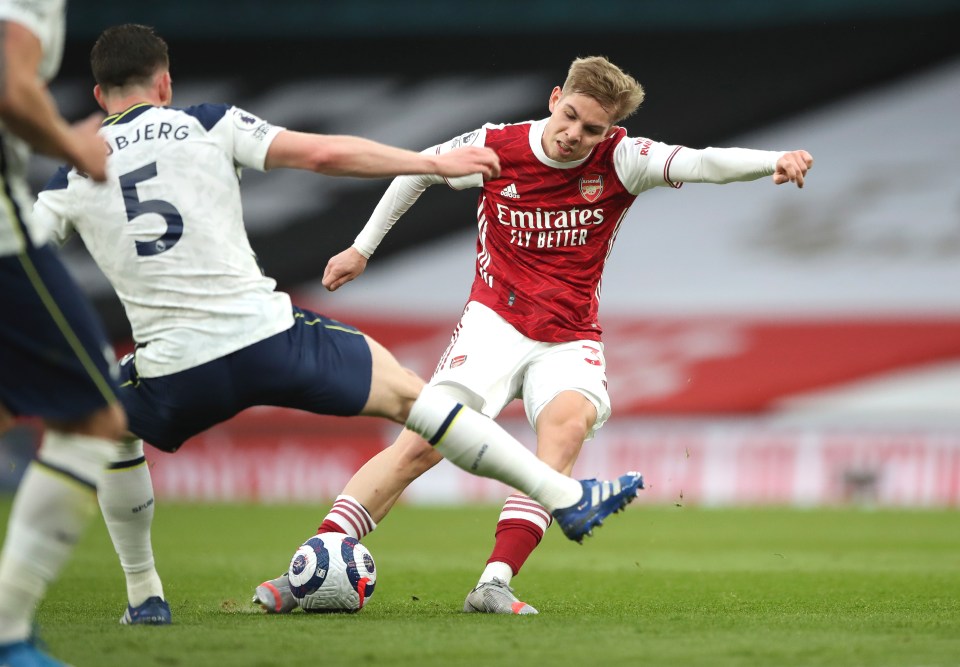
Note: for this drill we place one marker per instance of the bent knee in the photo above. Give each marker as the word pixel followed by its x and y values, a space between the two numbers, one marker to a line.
pixel 559 443
pixel 415 456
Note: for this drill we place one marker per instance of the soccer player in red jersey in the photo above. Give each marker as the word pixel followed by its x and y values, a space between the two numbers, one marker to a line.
pixel 530 328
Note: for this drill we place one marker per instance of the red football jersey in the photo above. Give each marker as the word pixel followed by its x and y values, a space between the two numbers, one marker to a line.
pixel 546 228
pixel 544 234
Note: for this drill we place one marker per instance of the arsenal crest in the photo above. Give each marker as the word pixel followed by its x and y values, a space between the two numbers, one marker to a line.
pixel 591 187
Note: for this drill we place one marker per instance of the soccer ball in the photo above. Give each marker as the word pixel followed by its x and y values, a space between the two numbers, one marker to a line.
pixel 332 572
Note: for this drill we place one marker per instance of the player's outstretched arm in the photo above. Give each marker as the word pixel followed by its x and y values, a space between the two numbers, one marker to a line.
pixel 792 167
pixel 27 108
pixel 729 165
pixel 338 155
pixel 343 268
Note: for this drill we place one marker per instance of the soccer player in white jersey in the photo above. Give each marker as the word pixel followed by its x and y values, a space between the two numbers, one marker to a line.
pixel 212 334
pixel 55 362
pixel 530 328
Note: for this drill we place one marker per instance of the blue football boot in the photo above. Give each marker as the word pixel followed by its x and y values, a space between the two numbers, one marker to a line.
pixel 599 500
pixel 26 654
pixel 153 611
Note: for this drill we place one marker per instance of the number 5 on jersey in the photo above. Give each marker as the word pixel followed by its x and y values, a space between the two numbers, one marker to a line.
pixel 137 207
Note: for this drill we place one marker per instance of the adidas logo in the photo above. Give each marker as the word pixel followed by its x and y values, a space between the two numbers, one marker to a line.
pixel 510 191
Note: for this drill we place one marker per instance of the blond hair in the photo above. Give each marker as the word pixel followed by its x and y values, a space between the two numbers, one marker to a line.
pixel 615 90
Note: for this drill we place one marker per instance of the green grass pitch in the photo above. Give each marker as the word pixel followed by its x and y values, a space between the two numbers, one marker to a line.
pixel 655 586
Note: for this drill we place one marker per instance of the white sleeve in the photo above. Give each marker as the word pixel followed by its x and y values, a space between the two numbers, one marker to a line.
pixel 643 164
pixel 252 137
pixel 721 165
pixel 404 191
pixel 49 211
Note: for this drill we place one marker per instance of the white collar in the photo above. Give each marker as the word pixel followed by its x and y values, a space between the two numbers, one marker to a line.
pixel 536 145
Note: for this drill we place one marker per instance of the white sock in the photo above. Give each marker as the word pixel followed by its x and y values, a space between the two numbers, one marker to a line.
pixel 351 517
pixel 126 501
pixel 52 508
pixel 478 445
pixel 496 570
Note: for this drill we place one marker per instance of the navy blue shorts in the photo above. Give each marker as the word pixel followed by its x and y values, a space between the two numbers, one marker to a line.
pixel 55 361
pixel 318 365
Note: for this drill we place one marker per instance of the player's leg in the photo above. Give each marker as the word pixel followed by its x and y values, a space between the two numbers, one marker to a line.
pixel 163 409
pixel 378 484
pixel 54 504
pixel 561 428
pixel 53 356
pixel 376 487
pixel 166 411
pixel 127 504
pixel 566 399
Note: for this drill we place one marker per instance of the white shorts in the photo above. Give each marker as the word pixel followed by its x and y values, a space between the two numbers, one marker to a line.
pixel 491 359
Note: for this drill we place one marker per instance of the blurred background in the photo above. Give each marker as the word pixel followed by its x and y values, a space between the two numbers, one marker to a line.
pixel 764 344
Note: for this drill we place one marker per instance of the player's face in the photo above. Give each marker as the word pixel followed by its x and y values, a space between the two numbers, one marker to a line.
pixel 577 124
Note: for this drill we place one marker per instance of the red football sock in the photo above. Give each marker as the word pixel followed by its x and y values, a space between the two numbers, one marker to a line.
pixel 329 526
pixel 348 516
pixel 521 526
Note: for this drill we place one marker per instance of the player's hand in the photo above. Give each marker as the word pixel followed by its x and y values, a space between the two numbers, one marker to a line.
pixel 89 149
pixel 343 268
pixel 792 167
pixel 469 160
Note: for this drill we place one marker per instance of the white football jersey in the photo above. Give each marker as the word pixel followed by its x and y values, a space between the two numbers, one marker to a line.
pixel 45 19
pixel 167 230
